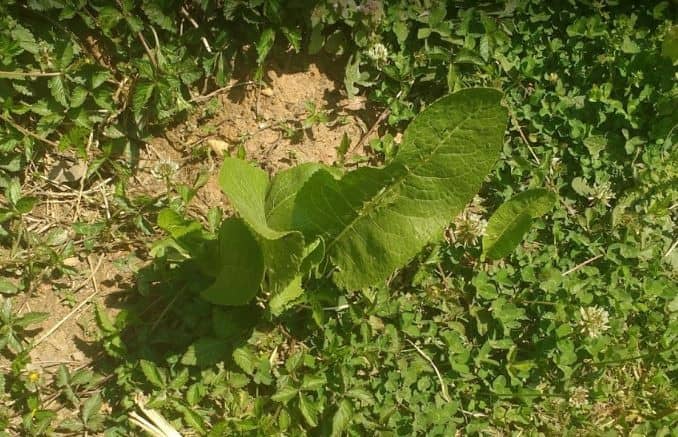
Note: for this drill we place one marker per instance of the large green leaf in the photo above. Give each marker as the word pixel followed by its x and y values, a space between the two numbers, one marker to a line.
pixel 283 192
pixel 242 265
pixel 247 187
pixel 375 220
pixel 511 221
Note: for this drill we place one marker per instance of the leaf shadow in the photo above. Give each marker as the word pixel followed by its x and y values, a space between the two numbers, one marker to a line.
pixel 161 318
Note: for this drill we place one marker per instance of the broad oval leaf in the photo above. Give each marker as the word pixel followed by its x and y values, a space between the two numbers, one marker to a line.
pixel 283 192
pixel 374 220
pixel 247 187
pixel 511 221
pixel 498 243
pixel 242 266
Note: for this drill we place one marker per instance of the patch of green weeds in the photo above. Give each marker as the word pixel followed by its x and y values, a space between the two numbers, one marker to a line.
pixel 573 331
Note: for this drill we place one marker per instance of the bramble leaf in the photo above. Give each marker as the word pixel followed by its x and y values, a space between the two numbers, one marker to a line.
pixel 157 16
pixel 352 75
pixel 265 44
pixel 342 418
pixel 285 393
pixel 142 94
pixel 31 318
pixel 152 373
pixel 309 410
pixel 58 90
pixel 91 407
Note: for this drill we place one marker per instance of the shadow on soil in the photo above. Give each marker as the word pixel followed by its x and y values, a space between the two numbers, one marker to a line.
pixel 161 318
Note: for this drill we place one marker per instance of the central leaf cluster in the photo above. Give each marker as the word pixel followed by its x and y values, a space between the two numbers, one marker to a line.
pixel 365 223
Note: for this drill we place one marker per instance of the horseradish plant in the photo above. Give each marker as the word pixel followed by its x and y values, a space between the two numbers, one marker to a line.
pixel 358 227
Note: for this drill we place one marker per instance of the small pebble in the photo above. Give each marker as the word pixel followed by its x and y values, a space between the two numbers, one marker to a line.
pixel 219 147
pixel 71 262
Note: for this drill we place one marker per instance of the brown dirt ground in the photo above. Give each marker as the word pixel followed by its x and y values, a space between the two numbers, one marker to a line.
pixel 244 116
pixel 255 119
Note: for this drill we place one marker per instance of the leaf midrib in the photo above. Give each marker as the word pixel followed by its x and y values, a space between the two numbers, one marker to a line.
pixel 269 212
pixel 400 179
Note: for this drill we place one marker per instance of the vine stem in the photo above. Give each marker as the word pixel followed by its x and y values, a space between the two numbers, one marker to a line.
pixel 12 74
pixel 141 38
pixel 150 54
pixel 196 26
pixel 515 123
pixel 26 132
pixel 220 90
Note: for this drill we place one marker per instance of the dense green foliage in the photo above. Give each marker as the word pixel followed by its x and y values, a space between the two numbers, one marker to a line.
pixel 574 331
pixel 117 69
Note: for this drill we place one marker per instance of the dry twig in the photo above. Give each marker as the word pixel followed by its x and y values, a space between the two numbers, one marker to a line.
pixel 83 177
pixel 150 54
pixel 26 132
pixel 385 113
pixel 13 74
pixel 195 25
pixel 95 284
pixel 220 91
pixel 443 386
pixel 524 138
pixel 154 423
pixel 580 265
